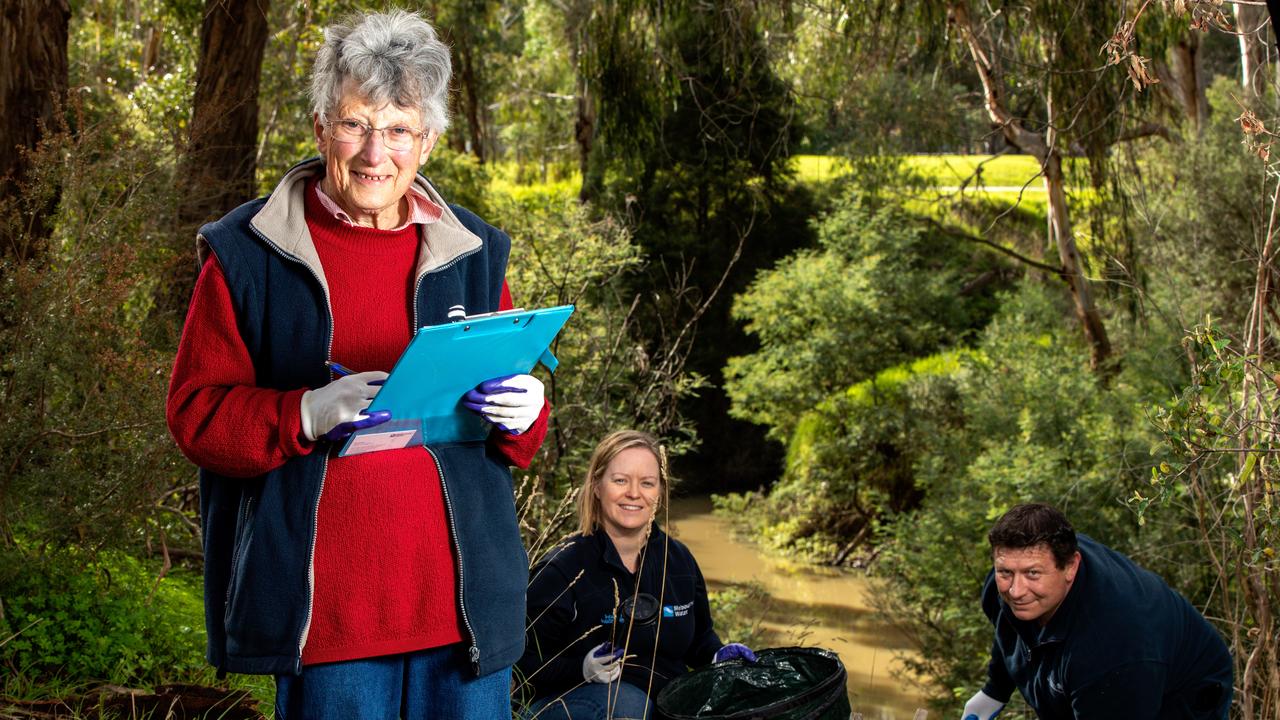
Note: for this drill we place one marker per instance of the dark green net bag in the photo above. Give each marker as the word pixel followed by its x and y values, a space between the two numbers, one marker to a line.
pixel 790 683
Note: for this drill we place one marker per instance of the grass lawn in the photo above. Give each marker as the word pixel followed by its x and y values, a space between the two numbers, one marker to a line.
pixel 554 191
pixel 1006 181
pixel 1008 173
pixel 997 171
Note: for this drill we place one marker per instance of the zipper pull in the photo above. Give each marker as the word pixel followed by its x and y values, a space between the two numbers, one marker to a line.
pixel 474 652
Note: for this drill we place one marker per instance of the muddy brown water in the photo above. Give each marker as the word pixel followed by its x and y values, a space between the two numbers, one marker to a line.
pixel 806 605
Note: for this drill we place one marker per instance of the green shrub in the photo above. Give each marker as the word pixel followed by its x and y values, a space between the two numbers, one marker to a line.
pixel 1037 426
pixel 851 460
pixel 879 291
pixel 79 619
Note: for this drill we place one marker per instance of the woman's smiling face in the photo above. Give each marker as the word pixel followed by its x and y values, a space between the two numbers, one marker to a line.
pixel 365 179
pixel 628 491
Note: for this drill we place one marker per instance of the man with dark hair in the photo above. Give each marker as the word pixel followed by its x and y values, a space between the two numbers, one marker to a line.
pixel 1083 632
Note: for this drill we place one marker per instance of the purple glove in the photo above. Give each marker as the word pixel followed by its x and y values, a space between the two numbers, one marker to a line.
pixel 606 648
pixel 733 651
pixel 512 402
pixel 342 431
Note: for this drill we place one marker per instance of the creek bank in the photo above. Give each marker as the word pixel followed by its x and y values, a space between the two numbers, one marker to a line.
pixel 808 605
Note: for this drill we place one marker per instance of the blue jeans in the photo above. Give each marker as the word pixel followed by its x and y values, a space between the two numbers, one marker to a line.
pixel 435 683
pixel 592 701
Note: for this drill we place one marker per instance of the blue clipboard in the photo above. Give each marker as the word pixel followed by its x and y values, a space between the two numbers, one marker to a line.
pixel 424 391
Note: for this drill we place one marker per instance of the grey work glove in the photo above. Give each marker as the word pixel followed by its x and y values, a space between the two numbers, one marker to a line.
pixel 982 707
pixel 602 664
pixel 336 410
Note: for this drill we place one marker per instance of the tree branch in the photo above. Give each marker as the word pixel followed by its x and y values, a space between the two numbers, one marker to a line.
pixel 1056 270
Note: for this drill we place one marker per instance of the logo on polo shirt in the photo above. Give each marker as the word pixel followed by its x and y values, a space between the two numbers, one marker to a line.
pixel 676 610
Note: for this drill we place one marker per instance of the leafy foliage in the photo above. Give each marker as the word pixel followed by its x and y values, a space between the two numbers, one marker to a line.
pixel 1218 427
pixel 609 378
pixel 852 459
pixel 1197 216
pixel 879 290
pixel 72 616
pixel 83 378
pixel 1033 424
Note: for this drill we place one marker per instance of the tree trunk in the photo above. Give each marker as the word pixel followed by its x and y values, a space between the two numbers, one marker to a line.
pixel 469 95
pixel 220 162
pixel 1086 309
pixel 584 125
pixel 1185 79
pixel 1252 24
pixel 151 49
pixel 1042 147
pixel 455 140
pixel 584 134
pixel 33 84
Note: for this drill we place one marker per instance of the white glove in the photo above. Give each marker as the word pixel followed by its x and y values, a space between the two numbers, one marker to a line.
pixel 982 707
pixel 512 402
pixel 602 664
pixel 334 411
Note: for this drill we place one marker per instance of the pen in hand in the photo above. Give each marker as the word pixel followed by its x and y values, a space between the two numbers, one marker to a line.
pixel 339 369
pixel 342 371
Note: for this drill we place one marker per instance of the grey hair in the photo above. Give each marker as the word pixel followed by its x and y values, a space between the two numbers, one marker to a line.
pixel 393 57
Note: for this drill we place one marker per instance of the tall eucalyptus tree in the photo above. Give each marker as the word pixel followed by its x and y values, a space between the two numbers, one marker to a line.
pixel 220 159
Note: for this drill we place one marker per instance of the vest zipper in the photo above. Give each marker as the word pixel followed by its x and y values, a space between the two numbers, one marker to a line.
pixel 417 287
pixel 311 561
pixel 324 467
pixel 473 652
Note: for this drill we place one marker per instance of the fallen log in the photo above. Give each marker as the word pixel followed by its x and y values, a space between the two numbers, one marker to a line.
pixel 167 702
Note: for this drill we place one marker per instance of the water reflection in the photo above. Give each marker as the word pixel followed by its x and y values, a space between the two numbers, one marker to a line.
pixel 806 605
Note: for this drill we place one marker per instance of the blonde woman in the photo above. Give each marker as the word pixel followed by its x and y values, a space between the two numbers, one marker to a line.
pixel 620 608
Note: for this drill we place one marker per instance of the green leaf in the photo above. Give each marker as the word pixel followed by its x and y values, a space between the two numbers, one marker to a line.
pixel 1247 470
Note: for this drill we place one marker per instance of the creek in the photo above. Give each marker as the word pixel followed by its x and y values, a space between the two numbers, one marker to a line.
pixel 805 605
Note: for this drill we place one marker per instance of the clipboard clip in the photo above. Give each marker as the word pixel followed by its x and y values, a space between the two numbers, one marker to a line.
pixel 458 313
pixel 496 313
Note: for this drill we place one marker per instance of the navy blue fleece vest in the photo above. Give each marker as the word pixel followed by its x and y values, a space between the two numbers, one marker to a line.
pixel 259 532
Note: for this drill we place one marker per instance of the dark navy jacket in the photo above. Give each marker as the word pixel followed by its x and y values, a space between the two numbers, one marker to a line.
pixel 259 533
pixel 581 614
pixel 1122 645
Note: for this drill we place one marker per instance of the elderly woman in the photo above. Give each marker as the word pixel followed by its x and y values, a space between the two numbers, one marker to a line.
pixel 620 608
pixel 377 585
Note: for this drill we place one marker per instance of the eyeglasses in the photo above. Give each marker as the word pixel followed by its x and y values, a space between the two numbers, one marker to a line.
pixel 397 138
